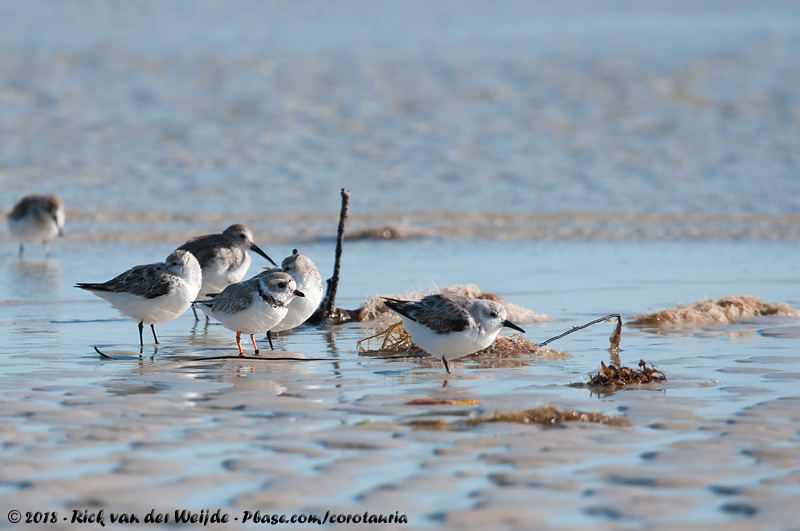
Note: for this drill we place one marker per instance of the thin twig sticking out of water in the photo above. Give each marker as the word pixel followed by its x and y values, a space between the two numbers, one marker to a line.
pixel 327 312
pixel 616 335
pixel 333 282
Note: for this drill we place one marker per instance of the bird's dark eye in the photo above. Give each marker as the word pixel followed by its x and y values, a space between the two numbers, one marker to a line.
pixel 242 236
pixel 281 285
pixel 493 314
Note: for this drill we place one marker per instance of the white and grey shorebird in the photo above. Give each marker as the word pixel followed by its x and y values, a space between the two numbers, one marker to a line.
pixel 223 257
pixel 253 306
pixel 449 326
pixel 153 293
pixel 37 218
pixel 309 281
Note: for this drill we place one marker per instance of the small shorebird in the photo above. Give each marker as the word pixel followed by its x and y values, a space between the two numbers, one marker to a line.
pixel 253 306
pixel 37 218
pixel 153 293
pixel 309 281
pixel 451 326
pixel 223 258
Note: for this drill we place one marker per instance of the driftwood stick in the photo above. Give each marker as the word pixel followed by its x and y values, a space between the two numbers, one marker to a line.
pixel 333 283
pixel 576 328
pixel 327 313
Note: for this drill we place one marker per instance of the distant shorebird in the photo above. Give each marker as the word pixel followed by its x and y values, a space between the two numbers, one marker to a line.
pixel 451 326
pixel 37 218
pixel 253 306
pixel 223 258
pixel 153 293
pixel 309 281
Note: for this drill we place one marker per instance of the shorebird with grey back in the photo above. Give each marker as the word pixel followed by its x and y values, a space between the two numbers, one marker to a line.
pixel 153 293
pixel 37 218
pixel 449 326
pixel 253 306
pixel 309 281
pixel 223 258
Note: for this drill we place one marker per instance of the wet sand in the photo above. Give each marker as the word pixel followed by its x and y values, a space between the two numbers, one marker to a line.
pixel 715 445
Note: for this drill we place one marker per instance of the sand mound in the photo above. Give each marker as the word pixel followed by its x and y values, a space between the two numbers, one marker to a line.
pixel 720 311
pixel 374 308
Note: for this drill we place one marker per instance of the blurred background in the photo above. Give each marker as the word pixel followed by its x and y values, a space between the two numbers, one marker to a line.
pixel 205 108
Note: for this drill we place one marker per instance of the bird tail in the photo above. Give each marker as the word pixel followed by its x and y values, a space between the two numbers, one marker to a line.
pixel 397 305
pixel 208 301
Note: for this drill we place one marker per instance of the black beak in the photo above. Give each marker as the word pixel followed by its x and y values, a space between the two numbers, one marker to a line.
pixel 512 325
pixel 256 249
pixel 299 293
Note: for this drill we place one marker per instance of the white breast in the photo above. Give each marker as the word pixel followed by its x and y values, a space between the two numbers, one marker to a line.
pixel 219 273
pixel 257 318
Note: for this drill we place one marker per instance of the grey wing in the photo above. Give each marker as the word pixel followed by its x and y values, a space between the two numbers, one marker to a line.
pixel 233 299
pixel 149 281
pixel 21 208
pixel 203 248
pixel 443 314
pixel 438 312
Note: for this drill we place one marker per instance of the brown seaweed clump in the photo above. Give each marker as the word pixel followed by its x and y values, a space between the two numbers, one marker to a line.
pixel 719 311
pixel 546 416
pixel 387 232
pixel 444 402
pixel 611 375
pixel 374 308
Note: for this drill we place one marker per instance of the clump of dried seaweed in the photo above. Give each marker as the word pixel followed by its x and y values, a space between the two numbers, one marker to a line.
pixel 393 338
pixel 611 375
pixel 547 416
pixel 375 308
pixel 516 346
pixel 718 311
pixel 550 415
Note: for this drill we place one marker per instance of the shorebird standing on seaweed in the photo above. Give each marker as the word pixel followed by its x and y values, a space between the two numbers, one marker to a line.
pixel 449 326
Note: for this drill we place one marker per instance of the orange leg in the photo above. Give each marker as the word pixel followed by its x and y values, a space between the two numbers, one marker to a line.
pixel 239 342
pixel 253 339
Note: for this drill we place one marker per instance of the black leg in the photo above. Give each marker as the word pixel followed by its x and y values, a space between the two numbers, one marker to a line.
pixel 141 326
pixel 21 248
pixel 194 311
pixel 153 328
pixel 445 365
pixel 269 338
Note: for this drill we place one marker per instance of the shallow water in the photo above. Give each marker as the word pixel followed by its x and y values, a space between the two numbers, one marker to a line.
pixel 578 160
pixel 716 443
